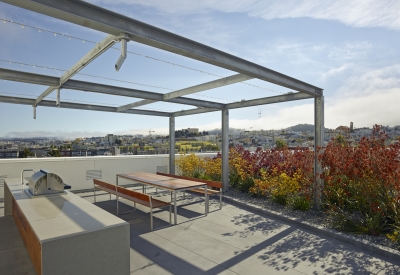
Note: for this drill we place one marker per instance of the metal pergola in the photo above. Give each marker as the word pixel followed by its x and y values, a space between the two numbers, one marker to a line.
pixel 121 29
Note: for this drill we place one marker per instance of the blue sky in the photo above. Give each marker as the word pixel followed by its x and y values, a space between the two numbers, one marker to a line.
pixel 351 50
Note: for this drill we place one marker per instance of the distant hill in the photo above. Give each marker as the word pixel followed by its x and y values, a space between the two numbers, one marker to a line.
pixel 218 131
pixel 301 128
pixel 296 128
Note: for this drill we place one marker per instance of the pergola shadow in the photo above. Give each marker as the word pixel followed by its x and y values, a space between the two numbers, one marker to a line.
pixel 283 249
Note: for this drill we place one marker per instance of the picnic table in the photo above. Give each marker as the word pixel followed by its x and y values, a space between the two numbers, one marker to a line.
pixel 167 183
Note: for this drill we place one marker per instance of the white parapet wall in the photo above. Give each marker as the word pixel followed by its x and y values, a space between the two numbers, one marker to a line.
pixel 76 171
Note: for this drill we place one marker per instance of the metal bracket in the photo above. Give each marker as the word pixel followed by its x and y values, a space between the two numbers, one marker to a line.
pixel 58 97
pixel 124 38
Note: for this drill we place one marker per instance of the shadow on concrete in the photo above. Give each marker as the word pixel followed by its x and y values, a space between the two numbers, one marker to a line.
pixel 284 249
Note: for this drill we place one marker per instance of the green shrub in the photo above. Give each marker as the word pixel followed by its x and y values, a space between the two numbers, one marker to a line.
pixel 299 202
pixel 360 223
pixel 281 199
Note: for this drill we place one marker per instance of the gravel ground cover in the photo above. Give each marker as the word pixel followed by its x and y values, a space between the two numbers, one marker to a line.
pixel 315 217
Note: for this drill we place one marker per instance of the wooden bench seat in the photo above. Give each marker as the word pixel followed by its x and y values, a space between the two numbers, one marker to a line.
pixel 210 192
pixel 136 197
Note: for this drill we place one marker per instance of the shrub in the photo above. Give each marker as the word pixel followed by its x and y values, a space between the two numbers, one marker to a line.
pixel 300 202
pixel 190 166
pixel 362 183
pixel 279 185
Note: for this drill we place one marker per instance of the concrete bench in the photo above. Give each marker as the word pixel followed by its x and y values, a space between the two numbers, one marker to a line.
pixel 210 192
pixel 136 197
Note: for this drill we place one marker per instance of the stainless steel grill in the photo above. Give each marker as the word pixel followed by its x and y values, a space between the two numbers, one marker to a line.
pixel 44 183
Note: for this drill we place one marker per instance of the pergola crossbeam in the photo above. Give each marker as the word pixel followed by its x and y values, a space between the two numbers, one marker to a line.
pixel 135 104
pixel 100 48
pixel 191 90
pixel 193 111
pixel 208 86
pixel 72 84
pixel 268 100
pixel 78 106
pixel 247 103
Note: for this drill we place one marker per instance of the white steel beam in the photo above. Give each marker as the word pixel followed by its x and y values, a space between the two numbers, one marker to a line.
pixel 77 106
pixel 208 86
pixel 172 145
pixel 194 111
pixel 97 18
pixel 100 48
pixel 191 90
pixel 135 104
pixel 268 100
pixel 225 150
pixel 247 103
pixel 318 144
pixel 72 84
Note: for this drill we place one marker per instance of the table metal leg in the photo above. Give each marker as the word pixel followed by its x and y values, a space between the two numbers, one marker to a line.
pixel 117 206
pixel 94 191
pixel 206 201
pixel 117 195
pixel 175 210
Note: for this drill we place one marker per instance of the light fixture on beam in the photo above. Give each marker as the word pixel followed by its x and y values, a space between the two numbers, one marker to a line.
pixel 34 111
pixel 124 43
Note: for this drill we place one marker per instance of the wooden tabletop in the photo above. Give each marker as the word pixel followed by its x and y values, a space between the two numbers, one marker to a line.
pixel 162 181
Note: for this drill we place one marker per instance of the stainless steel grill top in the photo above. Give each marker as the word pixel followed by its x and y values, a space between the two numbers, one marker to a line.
pixel 44 183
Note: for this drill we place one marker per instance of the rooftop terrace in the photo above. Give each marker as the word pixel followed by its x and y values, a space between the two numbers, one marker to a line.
pixel 227 241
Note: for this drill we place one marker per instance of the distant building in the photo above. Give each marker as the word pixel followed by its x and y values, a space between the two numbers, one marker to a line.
pixel 8 154
pixel 110 138
pixel 115 151
pixel 344 130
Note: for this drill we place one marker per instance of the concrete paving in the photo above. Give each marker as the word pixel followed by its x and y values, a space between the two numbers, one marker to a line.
pixel 227 241
pixel 234 241
pixel 14 258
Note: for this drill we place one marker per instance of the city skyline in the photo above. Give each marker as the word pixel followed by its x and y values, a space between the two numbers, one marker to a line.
pixel 346 49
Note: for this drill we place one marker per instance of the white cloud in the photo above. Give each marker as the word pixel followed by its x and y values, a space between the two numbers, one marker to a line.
pixel 53 134
pixel 356 13
pixel 351 51
pixel 368 82
pixel 336 71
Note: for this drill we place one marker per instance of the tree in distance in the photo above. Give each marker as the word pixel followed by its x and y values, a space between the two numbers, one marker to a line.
pixel 280 144
pixel 54 153
pixel 26 153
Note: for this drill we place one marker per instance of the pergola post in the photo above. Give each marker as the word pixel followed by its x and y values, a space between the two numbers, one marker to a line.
pixel 318 142
pixel 172 145
pixel 225 149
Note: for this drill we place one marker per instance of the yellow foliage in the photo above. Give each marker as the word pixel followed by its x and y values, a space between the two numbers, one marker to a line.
pixel 213 168
pixel 190 165
pixel 277 184
pixel 195 166
pixel 239 166
pixel 394 237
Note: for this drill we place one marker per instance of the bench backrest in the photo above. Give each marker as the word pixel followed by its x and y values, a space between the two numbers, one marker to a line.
pixel 215 184
pixel 104 184
pixel 133 194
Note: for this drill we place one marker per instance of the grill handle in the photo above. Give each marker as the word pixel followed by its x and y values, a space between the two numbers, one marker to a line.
pixel 22 174
pixel 66 186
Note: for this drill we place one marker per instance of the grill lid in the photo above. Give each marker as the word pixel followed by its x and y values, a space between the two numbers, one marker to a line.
pixel 44 182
